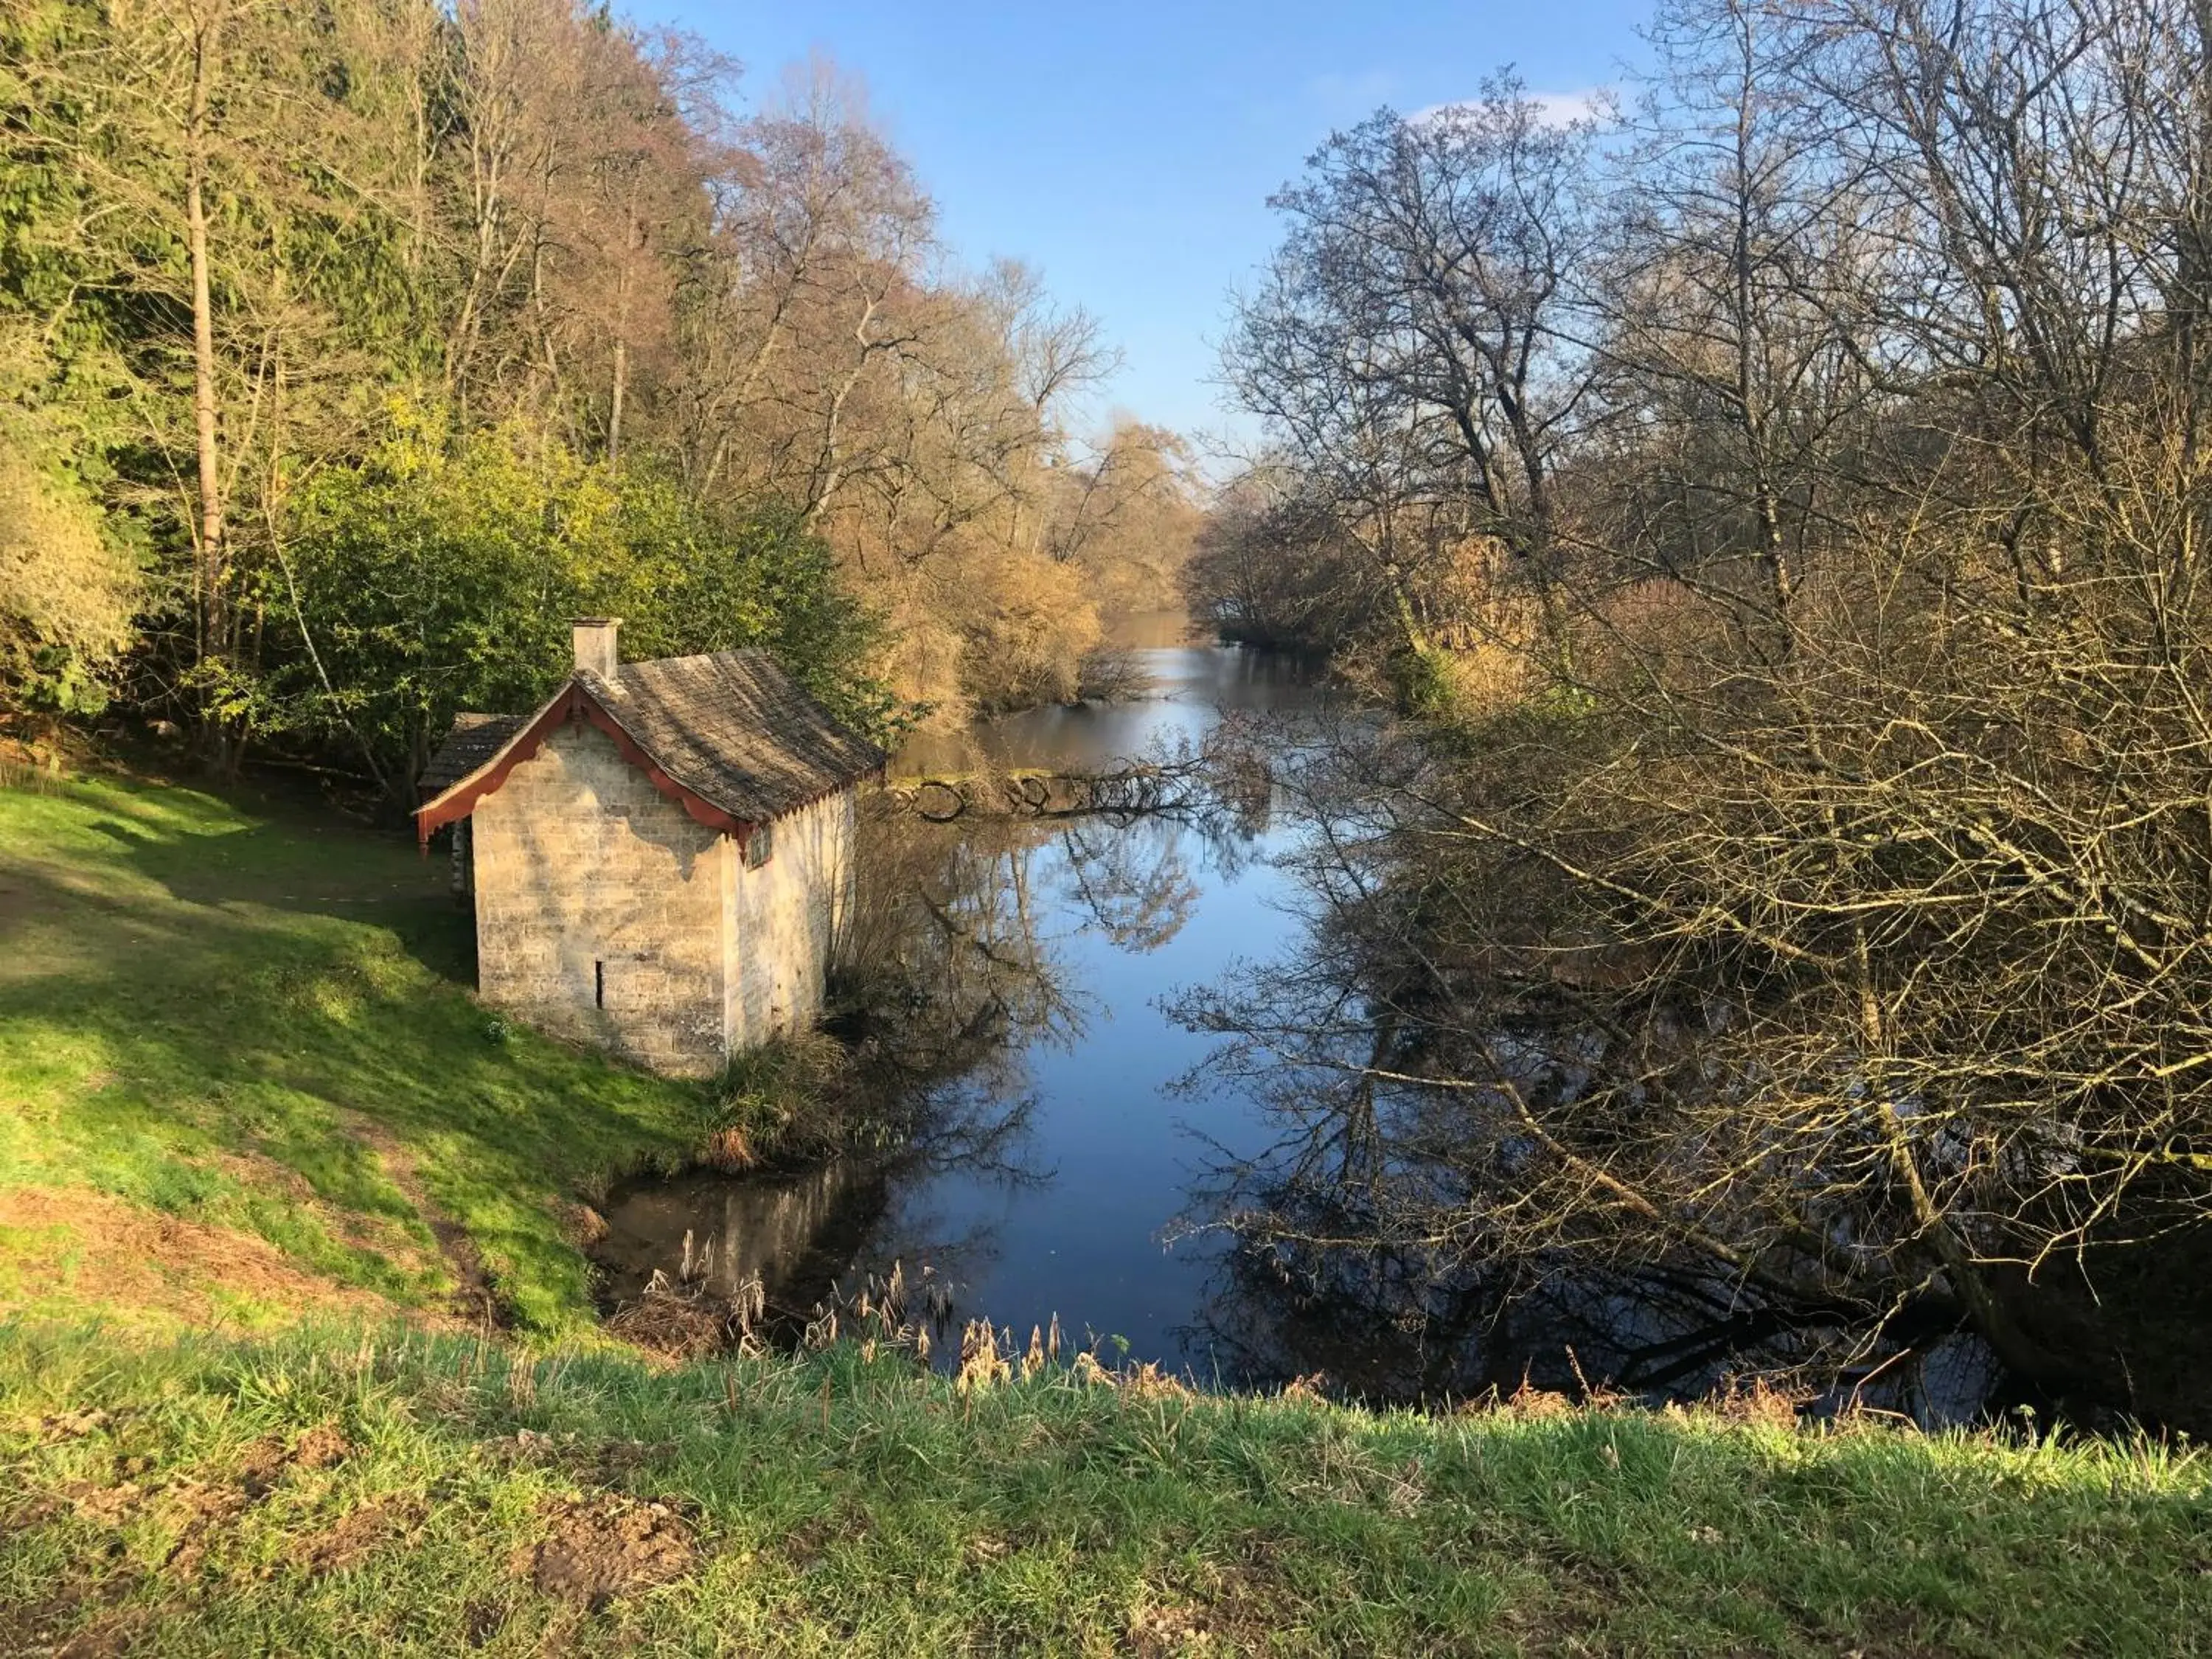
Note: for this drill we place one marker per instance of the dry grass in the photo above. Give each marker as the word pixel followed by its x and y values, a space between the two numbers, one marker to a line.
pixel 64 1250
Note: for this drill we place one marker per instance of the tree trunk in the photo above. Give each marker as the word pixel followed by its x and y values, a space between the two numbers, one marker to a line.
pixel 830 473
pixel 630 246
pixel 207 41
pixel 615 416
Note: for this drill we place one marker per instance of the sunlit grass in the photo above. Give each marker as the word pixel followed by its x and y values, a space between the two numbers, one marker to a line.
pixel 844 1504
pixel 247 1022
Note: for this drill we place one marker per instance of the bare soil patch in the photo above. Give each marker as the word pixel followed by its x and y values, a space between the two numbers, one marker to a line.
pixel 320 1447
pixel 603 1547
pixel 1236 1619
pixel 1167 1632
pixel 354 1534
pixel 610 1464
pixel 193 1510
pixel 124 1256
pixel 73 1424
pixel 481 1622
pixel 37 1628
pixel 104 1505
pixel 199 1510
pixel 269 1460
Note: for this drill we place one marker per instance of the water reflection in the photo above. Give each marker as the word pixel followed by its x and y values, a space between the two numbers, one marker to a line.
pixel 1190 688
pixel 1386 1326
pixel 1001 980
pixel 792 1231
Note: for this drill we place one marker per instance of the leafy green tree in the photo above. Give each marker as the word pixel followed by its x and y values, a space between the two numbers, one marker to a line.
pixel 71 576
pixel 715 577
pixel 439 575
pixel 68 593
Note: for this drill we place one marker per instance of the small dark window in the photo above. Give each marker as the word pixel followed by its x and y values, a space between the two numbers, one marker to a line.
pixel 599 984
pixel 759 846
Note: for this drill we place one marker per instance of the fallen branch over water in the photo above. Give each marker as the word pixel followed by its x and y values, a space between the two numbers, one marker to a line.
pixel 1129 791
pixel 1187 780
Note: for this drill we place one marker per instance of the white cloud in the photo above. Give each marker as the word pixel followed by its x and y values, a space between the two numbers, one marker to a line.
pixel 1553 109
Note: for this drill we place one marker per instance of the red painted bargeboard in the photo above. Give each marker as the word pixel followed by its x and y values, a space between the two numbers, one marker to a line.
pixel 573 704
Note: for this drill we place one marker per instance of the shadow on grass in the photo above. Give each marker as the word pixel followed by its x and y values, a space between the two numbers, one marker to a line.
pixel 319 871
pixel 188 985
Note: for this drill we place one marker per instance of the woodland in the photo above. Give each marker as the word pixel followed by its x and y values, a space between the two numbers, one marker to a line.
pixel 1770 502
pixel 349 350
pixel 1752 919
pixel 1781 494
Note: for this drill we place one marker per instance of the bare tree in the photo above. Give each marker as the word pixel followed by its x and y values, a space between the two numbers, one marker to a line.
pixel 1414 342
pixel 1825 904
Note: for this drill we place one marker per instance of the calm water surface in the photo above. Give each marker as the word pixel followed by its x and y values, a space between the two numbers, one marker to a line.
pixel 1064 1215
pixel 1060 1146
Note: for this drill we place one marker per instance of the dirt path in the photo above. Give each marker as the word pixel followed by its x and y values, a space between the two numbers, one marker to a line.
pixel 476 1295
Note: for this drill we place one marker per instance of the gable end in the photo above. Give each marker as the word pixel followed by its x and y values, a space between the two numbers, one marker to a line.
pixel 572 703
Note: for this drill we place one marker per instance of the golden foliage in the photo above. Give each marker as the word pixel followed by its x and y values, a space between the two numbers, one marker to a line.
pixel 62 583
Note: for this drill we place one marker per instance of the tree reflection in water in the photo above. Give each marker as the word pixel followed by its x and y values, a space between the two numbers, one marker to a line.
pixel 952 982
pixel 1365 1211
pixel 1382 1326
pixel 1461 1190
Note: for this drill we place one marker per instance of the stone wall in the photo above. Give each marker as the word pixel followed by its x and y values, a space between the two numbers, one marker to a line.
pixel 600 907
pixel 606 914
pixel 781 920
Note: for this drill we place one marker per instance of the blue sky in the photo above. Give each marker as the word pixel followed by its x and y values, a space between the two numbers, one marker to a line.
pixel 1127 151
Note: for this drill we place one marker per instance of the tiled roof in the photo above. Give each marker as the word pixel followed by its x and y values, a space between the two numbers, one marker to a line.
pixel 474 739
pixel 736 730
pixel 732 728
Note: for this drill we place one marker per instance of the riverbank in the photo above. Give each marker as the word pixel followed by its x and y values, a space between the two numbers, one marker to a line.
pixel 244 1078
pixel 298 1353
pixel 337 1490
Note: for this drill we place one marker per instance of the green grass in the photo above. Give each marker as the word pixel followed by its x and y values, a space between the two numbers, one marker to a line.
pixel 222 1027
pixel 261 1023
pixel 840 1504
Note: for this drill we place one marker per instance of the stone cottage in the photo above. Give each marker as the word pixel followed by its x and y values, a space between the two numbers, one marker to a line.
pixel 660 855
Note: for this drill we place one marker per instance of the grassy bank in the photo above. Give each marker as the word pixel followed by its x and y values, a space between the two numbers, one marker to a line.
pixel 240 1073
pixel 249 1112
pixel 325 1493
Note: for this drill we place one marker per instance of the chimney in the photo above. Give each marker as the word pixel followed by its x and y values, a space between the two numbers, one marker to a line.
pixel 595 645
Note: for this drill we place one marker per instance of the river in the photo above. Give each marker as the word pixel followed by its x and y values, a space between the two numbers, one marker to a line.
pixel 1062 1133
pixel 1064 1216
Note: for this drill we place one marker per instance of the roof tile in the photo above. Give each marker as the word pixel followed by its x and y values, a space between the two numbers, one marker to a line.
pixel 731 727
